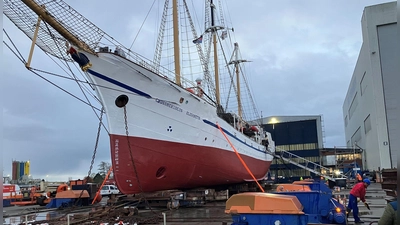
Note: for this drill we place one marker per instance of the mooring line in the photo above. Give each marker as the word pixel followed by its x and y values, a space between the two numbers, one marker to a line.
pixel 240 158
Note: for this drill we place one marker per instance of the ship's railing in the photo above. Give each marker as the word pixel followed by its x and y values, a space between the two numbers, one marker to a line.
pixel 159 70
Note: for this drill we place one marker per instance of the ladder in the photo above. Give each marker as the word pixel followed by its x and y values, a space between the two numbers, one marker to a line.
pixel 304 163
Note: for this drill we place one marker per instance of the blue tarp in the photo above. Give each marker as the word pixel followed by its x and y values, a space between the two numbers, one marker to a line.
pixel 6 202
pixel 60 202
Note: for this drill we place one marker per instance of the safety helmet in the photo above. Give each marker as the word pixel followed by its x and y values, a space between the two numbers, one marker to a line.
pixel 367 181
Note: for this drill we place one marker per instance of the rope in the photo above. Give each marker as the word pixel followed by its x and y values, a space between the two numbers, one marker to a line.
pixel 15 47
pixel 21 59
pixel 142 25
pixel 82 88
pixel 65 90
pixel 240 158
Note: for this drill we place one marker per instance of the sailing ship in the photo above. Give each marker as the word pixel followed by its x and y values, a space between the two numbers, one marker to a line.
pixel 167 131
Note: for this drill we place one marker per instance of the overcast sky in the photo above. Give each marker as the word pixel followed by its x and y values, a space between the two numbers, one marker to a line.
pixel 303 55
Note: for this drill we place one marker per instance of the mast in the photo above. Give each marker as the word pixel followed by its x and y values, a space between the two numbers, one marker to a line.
pixel 236 61
pixel 48 18
pixel 238 82
pixel 216 74
pixel 176 42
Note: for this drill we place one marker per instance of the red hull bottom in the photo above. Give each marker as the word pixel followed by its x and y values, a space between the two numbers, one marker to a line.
pixel 162 165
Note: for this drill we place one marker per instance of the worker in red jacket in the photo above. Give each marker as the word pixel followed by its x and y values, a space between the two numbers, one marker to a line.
pixel 358 191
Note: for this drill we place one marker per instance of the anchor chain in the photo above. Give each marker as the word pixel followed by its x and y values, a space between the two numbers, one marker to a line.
pixel 130 149
pixel 70 209
pixel 94 151
pixel 97 141
pixel 133 163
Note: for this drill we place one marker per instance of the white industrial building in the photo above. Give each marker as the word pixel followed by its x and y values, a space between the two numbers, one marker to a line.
pixel 371 109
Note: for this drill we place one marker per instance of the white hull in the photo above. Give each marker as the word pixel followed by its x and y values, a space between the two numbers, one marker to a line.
pixel 155 111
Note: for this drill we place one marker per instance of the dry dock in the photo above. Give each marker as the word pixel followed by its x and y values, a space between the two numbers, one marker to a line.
pixel 212 213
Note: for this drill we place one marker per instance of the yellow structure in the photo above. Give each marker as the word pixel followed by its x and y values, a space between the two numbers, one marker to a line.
pixel 27 168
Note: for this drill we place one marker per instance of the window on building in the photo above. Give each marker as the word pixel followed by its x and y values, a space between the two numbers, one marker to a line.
pixel 282 173
pixel 314 159
pixel 310 146
pixel 363 84
pixel 293 147
pixel 297 147
pixel 283 147
pixel 353 106
pixel 356 136
pixel 299 173
pixel 367 124
pixel 349 157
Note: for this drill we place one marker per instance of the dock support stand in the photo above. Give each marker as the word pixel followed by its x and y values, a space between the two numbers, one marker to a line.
pixel 26 219
pixel 28 64
pixel 165 218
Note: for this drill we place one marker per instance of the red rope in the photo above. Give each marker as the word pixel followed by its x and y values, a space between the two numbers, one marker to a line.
pixel 240 158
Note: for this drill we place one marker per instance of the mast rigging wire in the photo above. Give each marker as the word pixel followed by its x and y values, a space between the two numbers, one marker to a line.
pixel 73 74
pixel 22 58
pixel 141 26
pixel 54 84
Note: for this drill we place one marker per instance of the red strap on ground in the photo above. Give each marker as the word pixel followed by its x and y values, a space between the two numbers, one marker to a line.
pixel 240 158
pixel 102 184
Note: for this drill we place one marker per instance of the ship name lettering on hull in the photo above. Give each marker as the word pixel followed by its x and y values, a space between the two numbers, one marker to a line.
pixel 172 106
pixel 193 115
pixel 116 154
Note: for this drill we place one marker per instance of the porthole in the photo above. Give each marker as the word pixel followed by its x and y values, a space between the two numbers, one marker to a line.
pixel 160 172
pixel 121 101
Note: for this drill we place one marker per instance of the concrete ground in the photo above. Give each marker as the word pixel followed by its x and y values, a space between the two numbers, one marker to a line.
pixel 19 214
pixel 375 197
